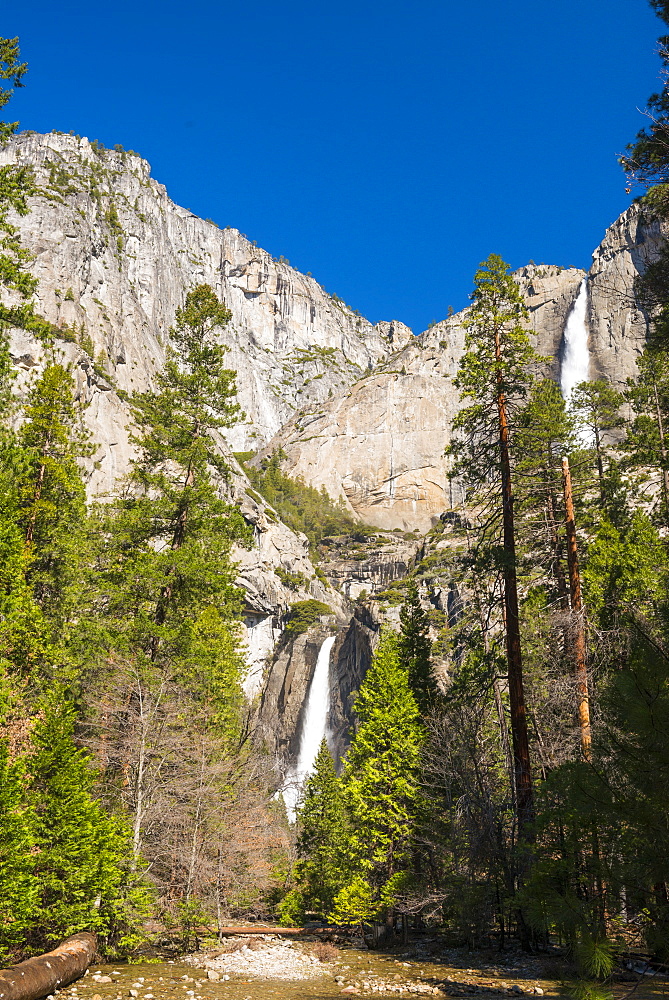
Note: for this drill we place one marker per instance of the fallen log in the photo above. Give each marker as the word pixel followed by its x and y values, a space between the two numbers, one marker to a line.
pixel 37 977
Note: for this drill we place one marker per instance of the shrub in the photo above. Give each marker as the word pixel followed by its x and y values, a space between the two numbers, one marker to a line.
pixel 303 614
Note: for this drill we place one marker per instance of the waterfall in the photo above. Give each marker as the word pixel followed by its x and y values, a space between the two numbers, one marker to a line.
pixel 314 724
pixel 575 366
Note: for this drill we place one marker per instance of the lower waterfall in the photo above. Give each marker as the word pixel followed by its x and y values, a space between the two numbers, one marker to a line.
pixel 314 724
pixel 575 365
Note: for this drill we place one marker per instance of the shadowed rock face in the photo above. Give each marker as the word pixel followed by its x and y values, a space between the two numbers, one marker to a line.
pixel 284 695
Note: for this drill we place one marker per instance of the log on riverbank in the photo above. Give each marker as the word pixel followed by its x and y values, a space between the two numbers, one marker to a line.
pixel 37 977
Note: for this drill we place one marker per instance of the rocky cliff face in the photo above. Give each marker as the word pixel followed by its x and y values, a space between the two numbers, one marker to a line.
pixel 115 256
pixel 381 445
pixel 618 326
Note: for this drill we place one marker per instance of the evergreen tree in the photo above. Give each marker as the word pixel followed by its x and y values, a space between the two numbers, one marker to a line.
pixel 647 442
pixel 322 836
pixel 647 158
pixel 51 494
pixel 16 184
pixel 168 538
pixel 545 433
pixel 415 649
pixel 167 632
pixel 82 857
pixel 596 406
pixel 496 372
pixel 19 887
pixel 381 790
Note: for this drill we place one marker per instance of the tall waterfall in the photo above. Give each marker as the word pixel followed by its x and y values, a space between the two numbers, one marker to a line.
pixel 575 365
pixel 314 726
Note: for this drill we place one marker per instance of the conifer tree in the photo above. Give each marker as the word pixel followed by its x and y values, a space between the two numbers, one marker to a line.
pixel 168 608
pixel 19 887
pixel 596 406
pixel 16 184
pixel 322 835
pixel 647 439
pixel 168 540
pixel 545 433
pixel 82 860
pixel 51 494
pixel 381 790
pixel 415 649
pixel 496 372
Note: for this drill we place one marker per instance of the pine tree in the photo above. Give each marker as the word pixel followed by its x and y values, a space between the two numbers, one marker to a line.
pixel 381 790
pixel 168 609
pixel 596 406
pixel 545 433
pixel 51 493
pixel 19 886
pixel 322 836
pixel 169 536
pixel 82 862
pixel 647 440
pixel 16 184
pixel 415 649
pixel 496 372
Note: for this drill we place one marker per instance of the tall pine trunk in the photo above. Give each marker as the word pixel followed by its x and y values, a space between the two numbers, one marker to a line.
pixel 578 616
pixel 521 747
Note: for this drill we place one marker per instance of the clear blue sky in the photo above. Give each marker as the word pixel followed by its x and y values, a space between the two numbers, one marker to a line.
pixel 387 147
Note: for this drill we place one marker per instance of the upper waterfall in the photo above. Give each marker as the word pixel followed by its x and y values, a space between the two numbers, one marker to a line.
pixel 575 362
pixel 314 725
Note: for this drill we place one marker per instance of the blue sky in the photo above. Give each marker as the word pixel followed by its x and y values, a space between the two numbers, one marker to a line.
pixel 387 147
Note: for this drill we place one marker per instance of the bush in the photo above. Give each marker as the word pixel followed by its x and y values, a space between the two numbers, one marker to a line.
pixel 304 614
pixel 325 952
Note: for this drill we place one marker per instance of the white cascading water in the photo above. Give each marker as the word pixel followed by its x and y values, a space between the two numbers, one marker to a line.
pixel 575 365
pixel 314 727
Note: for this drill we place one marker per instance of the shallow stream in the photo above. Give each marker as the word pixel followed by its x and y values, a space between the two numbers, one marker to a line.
pixel 357 972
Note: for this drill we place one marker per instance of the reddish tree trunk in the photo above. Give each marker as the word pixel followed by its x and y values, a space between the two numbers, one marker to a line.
pixel 578 617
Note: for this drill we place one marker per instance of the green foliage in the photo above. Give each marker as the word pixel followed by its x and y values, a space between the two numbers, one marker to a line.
pixel 168 538
pixel 299 506
pixel 19 887
pixel 415 649
pixel 50 492
pixel 596 407
pixel 647 158
pixel 293 580
pixel 625 568
pixel 303 614
pixel 498 360
pixel 321 841
pixel 380 789
pixel 16 184
pixel 82 855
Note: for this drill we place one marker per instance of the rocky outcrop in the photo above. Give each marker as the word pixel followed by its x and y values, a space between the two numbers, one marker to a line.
pixel 351 657
pixel 114 257
pixel 367 564
pixel 618 326
pixel 364 411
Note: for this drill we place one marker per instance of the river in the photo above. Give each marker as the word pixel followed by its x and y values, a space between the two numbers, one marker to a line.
pixel 414 972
